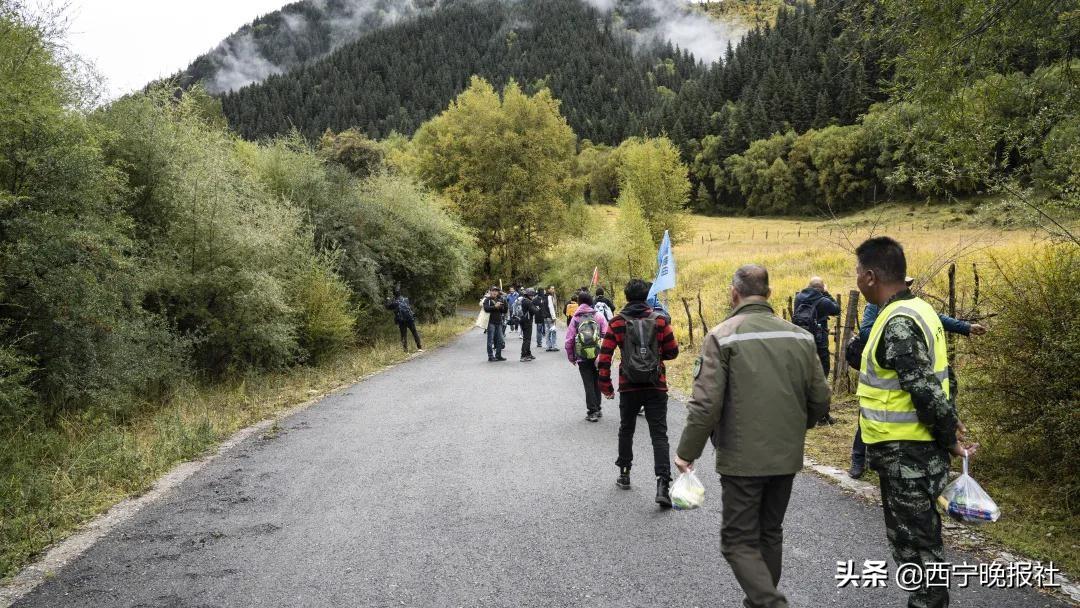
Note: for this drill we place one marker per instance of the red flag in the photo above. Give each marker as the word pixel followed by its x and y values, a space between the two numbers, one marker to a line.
pixel 595 276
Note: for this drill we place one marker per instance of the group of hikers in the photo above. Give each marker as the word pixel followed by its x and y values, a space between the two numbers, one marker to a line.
pixel 760 383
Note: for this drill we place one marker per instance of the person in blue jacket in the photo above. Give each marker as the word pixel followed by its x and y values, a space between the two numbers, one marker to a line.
pixel 870 314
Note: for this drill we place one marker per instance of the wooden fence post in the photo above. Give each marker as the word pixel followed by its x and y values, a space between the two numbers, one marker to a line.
pixel 701 316
pixel 790 308
pixel 837 330
pixel 840 370
pixel 689 321
pixel 952 312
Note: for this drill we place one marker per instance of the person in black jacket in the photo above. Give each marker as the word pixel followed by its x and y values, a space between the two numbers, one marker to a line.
pixel 405 319
pixel 495 306
pixel 811 310
pixel 528 314
pixel 540 317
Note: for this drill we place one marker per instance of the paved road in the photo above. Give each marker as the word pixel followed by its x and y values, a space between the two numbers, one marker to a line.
pixel 450 481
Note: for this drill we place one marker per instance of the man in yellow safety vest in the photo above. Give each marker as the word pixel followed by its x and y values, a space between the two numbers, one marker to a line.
pixel 906 418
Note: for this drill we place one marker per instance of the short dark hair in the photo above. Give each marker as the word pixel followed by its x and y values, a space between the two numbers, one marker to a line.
pixel 637 290
pixel 574 298
pixel 885 257
pixel 600 291
pixel 584 298
pixel 751 280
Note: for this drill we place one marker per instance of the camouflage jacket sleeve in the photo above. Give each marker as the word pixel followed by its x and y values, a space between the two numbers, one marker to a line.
pixel 905 351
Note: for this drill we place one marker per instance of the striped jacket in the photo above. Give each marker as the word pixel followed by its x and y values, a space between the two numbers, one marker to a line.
pixel 758 386
pixel 669 349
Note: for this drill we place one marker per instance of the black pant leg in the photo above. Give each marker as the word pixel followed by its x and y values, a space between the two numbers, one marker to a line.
pixel 402 328
pixel 774 503
pixel 415 334
pixel 629 404
pixel 526 339
pixel 823 354
pixel 740 539
pixel 590 378
pixel 656 415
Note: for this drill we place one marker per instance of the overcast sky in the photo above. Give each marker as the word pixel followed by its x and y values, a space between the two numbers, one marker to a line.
pixel 135 41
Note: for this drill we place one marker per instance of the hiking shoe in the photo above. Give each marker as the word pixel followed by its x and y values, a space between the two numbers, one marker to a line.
pixel 663 492
pixel 525 359
pixel 827 421
pixel 623 482
pixel 591 417
pixel 491 359
pixel 500 358
pixel 857 470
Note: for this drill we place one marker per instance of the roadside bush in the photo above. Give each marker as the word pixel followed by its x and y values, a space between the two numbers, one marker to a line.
pixel 326 318
pixel 415 245
pixel 15 395
pixel 223 248
pixel 72 273
pixel 1025 398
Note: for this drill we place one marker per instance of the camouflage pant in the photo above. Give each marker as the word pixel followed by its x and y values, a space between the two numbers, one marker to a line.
pixel 913 474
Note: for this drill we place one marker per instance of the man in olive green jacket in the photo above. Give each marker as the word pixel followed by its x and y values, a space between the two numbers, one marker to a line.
pixel 758 386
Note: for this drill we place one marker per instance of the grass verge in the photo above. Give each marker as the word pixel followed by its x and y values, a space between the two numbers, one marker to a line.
pixel 56 477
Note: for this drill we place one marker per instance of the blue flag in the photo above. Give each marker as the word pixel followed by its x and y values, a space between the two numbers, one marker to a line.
pixel 665 260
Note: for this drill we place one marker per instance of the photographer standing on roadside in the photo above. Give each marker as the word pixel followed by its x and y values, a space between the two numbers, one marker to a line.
pixel 495 306
pixel 405 319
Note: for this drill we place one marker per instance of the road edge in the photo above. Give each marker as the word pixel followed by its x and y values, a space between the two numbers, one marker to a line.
pixel 65 551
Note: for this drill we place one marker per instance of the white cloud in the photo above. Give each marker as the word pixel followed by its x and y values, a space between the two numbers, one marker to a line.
pixel 692 30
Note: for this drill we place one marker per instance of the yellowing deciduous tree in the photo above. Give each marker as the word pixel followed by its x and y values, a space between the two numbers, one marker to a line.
pixel 505 162
pixel 652 167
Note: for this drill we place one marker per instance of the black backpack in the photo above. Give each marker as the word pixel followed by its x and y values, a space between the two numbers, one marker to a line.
pixel 640 350
pixel 806 316
pixel 404 311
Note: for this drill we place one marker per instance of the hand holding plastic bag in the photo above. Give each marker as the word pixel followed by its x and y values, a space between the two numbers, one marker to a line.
pixel 687 492
pixel 965 500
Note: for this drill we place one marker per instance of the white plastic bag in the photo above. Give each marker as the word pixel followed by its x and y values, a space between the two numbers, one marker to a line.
pixel 965 500
pixel 687 492
pixel 482 320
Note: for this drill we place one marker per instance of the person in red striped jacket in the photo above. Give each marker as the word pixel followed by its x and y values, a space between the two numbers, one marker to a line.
pixel 645 340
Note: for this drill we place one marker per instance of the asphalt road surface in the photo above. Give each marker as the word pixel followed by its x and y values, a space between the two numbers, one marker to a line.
pixel 451 481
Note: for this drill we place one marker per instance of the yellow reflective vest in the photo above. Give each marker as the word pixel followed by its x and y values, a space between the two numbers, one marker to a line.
pixel 887 412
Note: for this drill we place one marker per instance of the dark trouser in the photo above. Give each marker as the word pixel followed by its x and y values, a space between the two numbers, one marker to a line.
pixel 858 448
pixel 823 355
pixel 406 326
pixel 495 341
pixel 752 536
pixel 526 339
pixel 912 475
pixel 590 377
pixel 541 329
pixel 655 403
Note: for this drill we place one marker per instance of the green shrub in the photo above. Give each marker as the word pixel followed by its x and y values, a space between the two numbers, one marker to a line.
pixel 415 244
pixel 1025 399
pixel 72 280
pixel 15 394
pixel 326 319
pixel 223 245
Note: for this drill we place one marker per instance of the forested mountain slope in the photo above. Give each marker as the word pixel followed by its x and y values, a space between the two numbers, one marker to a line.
pixel 613 82
pixel 287 38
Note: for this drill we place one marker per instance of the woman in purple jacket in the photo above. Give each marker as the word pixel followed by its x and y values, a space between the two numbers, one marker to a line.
pixel 583 352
